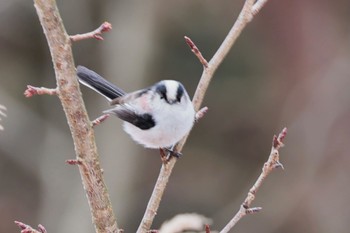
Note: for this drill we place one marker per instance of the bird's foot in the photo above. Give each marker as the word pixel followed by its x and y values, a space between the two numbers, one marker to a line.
pixel 166 154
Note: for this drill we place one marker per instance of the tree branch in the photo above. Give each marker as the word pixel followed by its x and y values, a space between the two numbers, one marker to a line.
pixel 78 121
pixel 28 229
pixel 96 34
pixel 245 16
pixel 272 163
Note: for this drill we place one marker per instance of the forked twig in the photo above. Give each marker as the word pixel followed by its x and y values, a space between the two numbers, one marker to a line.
pixel 271 164
pixel 28 229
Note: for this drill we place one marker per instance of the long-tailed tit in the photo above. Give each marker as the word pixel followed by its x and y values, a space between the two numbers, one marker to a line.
pixel 156 117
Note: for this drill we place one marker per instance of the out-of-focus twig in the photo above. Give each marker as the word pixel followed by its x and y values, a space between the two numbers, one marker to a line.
pixel 80 126
pixel 95 34
pixel 3 114
pixel 28 229
pixel 244 17
pixel 185 222
pixel 200 113
pixel 272 163
pixel 100 119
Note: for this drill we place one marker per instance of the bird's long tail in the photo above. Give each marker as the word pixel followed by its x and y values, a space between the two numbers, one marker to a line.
pixel 94 81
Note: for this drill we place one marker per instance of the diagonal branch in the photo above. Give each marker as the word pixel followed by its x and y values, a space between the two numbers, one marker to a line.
pixel 245 16
pixel 272 163
pixel 78 121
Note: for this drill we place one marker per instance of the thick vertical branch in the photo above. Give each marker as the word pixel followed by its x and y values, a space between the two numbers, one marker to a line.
pixel 245 16
pixel 79 123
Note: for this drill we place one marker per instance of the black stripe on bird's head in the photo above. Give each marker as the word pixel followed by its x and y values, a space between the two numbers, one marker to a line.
pixel 171 91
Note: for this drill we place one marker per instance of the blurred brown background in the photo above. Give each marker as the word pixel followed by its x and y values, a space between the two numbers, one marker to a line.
pixel 290 67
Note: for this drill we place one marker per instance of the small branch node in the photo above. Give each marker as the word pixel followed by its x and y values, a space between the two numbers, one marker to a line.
pixel 250 198
pixel 96 34
pixel 31 91
pixel 278 164
pixel 21 225
pixel 74 162
pixel 99 120
pixel 283 134
pixel 201 112
pixel 196 51
pixel 28 229
pixel 277 142
pixel 266 167
pixel 207 228
pixel 42 228
pixel 258 6
pixel 253 210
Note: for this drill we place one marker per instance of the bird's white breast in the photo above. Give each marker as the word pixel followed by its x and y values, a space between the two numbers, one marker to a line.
pixel 173 122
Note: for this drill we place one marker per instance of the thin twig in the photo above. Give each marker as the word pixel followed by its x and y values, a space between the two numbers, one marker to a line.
pixel 28 229
pixel 200 113
pixel 243 19
pixel 77 118
pixel 96 34
pixel 271 164
pixel 196 51
pixel 100 119
pixel 31 91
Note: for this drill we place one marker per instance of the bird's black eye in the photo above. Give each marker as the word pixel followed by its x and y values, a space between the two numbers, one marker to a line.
pixel 179 93
pixel 161 89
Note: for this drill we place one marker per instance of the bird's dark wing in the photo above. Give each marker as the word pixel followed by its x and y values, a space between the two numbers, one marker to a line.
pixel 143 121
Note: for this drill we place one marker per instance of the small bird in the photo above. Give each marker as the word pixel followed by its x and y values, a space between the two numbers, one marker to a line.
pixel 156 117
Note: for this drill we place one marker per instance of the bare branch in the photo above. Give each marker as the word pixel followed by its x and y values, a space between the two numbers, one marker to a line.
pixel 96 34
pixel 31 91
pixel 245 16
pixel 269 166
pixel 196 51
pixel 77 118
